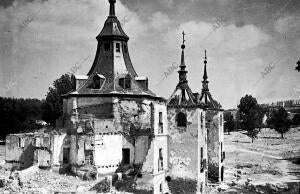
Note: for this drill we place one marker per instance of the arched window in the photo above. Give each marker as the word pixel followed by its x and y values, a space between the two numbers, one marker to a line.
pixel 181 120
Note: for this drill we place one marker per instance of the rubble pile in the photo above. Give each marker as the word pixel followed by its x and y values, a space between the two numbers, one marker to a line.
pixel 34 179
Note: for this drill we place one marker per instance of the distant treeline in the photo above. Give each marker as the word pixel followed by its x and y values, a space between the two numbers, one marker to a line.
pixel 19 115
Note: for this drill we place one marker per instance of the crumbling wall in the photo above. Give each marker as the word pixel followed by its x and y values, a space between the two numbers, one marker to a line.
pixel 183 144
pixel 19 151
pixel 42 152
pixel 127 118
pixel 214 152
pixel 43 158
pixel 134 115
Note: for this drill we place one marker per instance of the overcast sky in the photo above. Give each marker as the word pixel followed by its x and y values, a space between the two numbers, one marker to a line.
pixel 42 39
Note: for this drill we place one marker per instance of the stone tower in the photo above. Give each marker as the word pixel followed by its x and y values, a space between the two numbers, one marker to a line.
pixel 188 138
pixel 215 131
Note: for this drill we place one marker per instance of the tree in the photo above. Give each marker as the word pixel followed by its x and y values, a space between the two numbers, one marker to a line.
pixel 229 123
pixel 296 119
pixel 251 116
pixel 19 115
pixel 52 106
pixel 298 65
pixel 279 121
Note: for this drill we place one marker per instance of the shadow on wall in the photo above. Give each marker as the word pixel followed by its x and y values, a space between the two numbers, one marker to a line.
pixel 64 156
pixel 27 156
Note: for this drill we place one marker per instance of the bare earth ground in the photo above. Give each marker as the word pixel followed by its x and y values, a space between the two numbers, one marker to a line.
pixel 269 165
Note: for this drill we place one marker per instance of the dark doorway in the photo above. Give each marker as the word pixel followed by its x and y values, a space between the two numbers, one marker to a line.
pixel 126 155
pixel 222 173
pixel 66 155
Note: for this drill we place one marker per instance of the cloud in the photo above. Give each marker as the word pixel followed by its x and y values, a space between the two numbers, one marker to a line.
pixel 225 38
pixel 167 3
pixel 159 21
pixel 289 26
pixel 62 33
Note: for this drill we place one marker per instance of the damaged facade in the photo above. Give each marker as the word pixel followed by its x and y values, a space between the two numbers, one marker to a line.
pixel 45 150
pixel 112 121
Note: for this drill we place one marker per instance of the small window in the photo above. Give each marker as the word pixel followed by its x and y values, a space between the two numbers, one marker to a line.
pixel 19 142
pixel 221 119
pixel 201 160
pixel 221 147
pixel 160 154
pixel 96 83
pixel 201 120
pixel 201 187
pixel 181 120
pixel 160 123
pixel 118 49
pixel 160 160
pixel 160 188
pixel 160 117
pixel 125 83
pixel 106 47
pixel 201 153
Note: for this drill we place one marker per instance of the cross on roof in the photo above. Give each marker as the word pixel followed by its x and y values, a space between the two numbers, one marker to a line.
pixel 183 34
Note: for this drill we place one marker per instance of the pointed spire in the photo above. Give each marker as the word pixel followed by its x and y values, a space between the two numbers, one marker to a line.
pixel 185 97
pixel 112 7
pixel 206 97
pixel 205 72
pixel 182 72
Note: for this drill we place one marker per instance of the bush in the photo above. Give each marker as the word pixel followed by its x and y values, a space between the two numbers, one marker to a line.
pixel 296 119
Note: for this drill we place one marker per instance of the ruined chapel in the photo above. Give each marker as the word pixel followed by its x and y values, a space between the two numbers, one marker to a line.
pixel 113 121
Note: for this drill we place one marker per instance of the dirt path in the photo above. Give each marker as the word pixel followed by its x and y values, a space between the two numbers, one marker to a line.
pixel 261 167
pixel 258 153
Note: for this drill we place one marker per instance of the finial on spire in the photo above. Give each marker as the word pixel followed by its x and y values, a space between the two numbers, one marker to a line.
pixel 112 7
pixel 183 40
pixel 205 62
pixel 182 64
